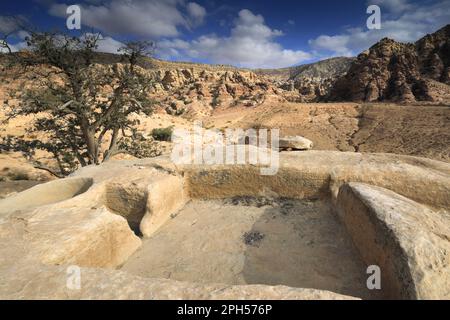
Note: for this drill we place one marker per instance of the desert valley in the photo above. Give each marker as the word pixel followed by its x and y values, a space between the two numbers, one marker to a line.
pixel 363 180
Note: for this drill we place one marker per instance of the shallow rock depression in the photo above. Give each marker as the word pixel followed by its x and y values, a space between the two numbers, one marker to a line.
pixel 291 242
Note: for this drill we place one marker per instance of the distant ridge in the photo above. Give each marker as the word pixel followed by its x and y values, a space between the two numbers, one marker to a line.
pixel 328 68
pixel 402 72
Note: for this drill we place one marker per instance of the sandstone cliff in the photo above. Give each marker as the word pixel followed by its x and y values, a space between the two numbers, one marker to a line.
pixel 309 82
pixel 196 92
pixel 393 71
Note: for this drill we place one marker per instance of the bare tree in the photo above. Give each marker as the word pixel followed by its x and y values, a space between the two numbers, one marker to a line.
pixel 80 103
pixel 4 46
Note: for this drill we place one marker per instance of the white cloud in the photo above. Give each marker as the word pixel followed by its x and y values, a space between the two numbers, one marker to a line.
pixel 4 50
pixel 172 48
pixel 250 44
pixel 148 18
pixel 109 45
pixel 196 13
pixel 105 44
pixel 10 28
pixel 14 47
pixel 7 24
pixel 337 44
pixel 400 21
pixel 11 24
pixel 395 6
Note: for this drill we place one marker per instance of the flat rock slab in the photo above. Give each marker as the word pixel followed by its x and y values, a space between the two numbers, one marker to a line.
pixel 34 281
pixel 300 244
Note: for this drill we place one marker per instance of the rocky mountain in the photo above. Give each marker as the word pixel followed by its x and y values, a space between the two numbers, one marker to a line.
pixel 195 89
pixel 183 88
pixel 402 72
pixel 388 71
pixel 192 89
pixel 309 82
pixel 328 68
pixel 434 55
pixel 196 92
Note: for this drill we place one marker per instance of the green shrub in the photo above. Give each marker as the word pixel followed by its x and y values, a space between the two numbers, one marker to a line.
pixel 216 102
pixel 18 176
pixel 180 112
pixel 162 134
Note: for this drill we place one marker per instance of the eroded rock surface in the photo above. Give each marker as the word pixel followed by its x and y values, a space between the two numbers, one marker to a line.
pixel 401 203
pixel 403 72
pixel 295 143
pixel 407 240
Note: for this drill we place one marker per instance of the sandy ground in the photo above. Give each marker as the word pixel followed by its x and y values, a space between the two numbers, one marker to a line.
pixel 293 243
pixel 8 188
pixel 412 130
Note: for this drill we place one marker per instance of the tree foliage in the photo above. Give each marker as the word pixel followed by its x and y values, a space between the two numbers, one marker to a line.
pixel 87 110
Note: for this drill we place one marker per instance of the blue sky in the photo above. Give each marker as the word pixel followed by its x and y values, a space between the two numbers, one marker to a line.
pixel 268 34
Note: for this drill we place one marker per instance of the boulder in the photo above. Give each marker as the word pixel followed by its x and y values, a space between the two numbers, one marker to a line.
pixel 408 241
pixel 69 234
pixel 295 143
pixel 165 197
pixel 145 192
pixel 50 192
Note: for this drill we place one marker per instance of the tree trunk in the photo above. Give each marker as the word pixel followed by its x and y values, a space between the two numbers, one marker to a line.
pixel 112 146
pixel 92 149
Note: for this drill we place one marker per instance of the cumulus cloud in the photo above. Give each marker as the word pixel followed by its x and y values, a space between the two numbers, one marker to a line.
pixel 107 44
pixel 11 24
pixel 10 30
pixel 15 47
pixel 5 50
pixel 251 43
pixel 395 6
pixel 7 24
pixel 149 18
pixel 400 20
pixel 338 44
pixel 196 13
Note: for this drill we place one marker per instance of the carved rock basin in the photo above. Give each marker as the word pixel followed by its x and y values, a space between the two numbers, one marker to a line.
pixel 148 229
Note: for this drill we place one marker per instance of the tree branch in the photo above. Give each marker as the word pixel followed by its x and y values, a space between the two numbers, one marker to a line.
pixel 45 168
